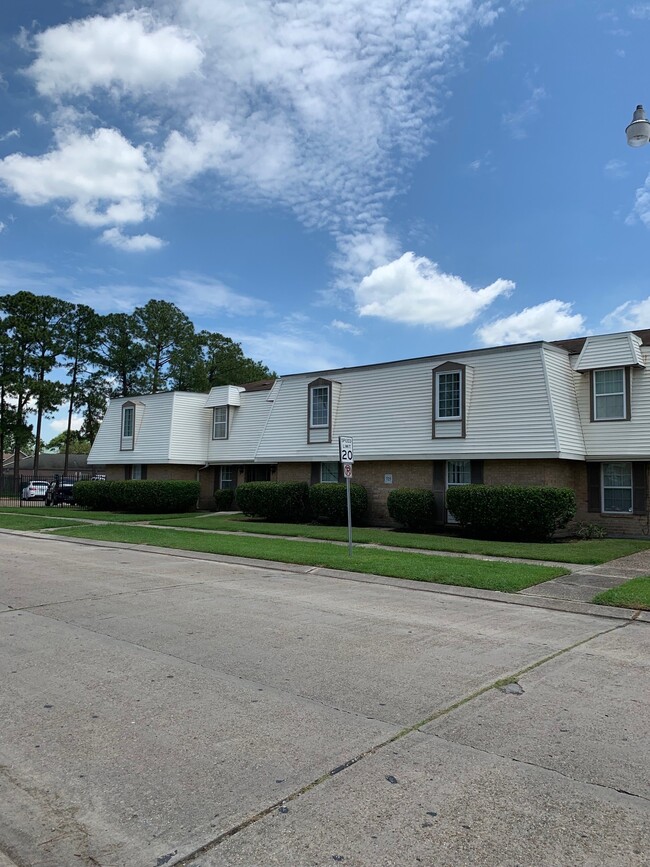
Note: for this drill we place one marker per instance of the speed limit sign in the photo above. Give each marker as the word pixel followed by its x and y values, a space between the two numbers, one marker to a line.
pixel 345 450
pixel 347 471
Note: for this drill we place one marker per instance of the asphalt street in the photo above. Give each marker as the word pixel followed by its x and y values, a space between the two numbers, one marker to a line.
pixel 164 710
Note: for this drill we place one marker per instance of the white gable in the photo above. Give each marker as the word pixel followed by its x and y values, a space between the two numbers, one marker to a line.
pixel 224 395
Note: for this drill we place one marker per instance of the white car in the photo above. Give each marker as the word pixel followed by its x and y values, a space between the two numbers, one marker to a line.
pixel 35 490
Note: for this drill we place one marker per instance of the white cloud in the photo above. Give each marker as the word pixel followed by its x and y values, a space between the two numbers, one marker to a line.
pixel 12 133
pixel 209 147
pixel 630 315
pixel 3 226
pixel 104 179
pixel 640 10
pixel 415 291
pixel 129 51
pixel 518 120
pixel 641 209
pixel 131 243
pixel 295 345
pixel 199 295
pixel 58 425
pixel 347 327
pixel 616 169
pixel 497 51
pixel 552 320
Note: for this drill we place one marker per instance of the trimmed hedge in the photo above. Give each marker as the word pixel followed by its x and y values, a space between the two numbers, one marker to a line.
pixel 511 512
pixel 223 499
pixel 329 503
pixel 275 501
pixel 138 495
pixel 414 508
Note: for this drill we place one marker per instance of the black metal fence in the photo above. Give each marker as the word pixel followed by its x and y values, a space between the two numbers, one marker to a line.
pixel 29 491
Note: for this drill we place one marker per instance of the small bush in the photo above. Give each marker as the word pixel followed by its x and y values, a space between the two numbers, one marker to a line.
pixel 156 497
pixel 275 501
pixel 413 508
pixel 329 503
pixel 511 512
pixel 223 499
pixel 590 531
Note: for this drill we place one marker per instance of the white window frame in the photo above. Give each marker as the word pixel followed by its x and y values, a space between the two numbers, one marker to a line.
pixel 312 393
pixel 454 373
pixel 468 470
pixel 222 422
pixel 232 481
pixel 629 488
pixel 334 470
pixel 622 393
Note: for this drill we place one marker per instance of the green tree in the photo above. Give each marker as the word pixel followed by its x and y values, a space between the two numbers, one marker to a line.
pixel 77 444
pixel 120 354
pixel 164 330
pixel 226 364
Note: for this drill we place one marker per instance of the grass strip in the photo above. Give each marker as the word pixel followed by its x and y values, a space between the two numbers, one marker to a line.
pixel 27 522
pixel 86 515
pixel 508 577
pixel 589 552
pixel 633 594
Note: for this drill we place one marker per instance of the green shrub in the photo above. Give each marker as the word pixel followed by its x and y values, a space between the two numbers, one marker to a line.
pixel 414 508
pixel 329 503
pixel 275 501
pixel 510 511
pixel 94 495
pixel 138 495
pixel 585 530
pixel 223 499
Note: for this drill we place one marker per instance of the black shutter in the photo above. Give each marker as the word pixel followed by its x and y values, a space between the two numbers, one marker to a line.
pixel 143 471
pixel 593 487
pixel 439 471
pixel 476 472
pixel 639 488
pixel 315 473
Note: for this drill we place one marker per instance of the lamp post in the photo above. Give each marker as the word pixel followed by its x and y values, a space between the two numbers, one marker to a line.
pixel 638 132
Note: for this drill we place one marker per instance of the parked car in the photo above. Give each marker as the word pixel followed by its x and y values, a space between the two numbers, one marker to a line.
pixel 60 492
pixel 35 490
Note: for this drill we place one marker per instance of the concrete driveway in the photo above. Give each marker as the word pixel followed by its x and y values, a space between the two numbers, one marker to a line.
pixel 161 710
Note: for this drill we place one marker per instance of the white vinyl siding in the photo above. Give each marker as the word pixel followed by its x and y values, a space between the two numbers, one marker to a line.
pixel 617 487
pixel 563 400
pixel 610 350
pixel 609 394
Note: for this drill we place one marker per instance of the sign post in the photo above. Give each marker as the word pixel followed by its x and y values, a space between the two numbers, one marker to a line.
pixel 346 455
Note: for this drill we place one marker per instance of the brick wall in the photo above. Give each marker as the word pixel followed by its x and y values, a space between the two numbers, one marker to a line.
pixel 298 472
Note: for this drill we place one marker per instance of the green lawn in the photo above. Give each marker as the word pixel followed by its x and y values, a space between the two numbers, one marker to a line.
pixel 588 552
pixel 509 577
pixel 27 522
pixel 84 514
pixel 632 594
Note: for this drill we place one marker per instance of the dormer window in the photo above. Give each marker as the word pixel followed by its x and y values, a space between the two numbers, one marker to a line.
pixel 127 431
pixel 319 411
pixel 610 394
pixel 220 423
pixel 448 394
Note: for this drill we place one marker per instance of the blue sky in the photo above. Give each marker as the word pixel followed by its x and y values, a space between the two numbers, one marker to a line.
pixel 331 182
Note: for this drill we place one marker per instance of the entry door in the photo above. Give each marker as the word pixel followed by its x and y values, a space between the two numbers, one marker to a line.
pixel 458 473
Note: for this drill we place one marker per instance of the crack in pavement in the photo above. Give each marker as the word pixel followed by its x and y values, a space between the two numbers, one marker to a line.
pixel 187 859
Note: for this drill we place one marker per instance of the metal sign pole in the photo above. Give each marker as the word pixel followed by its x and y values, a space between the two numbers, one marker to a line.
pixel 347 492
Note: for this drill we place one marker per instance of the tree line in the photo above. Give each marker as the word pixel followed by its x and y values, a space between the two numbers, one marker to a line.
pixel 54 354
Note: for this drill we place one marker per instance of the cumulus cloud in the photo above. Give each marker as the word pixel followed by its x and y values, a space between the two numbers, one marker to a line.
pixel 58 425
pixel 131 243
pixel 130 51
pixel 552 320
pixel 413 290
pixel 103 178
pixel 630 315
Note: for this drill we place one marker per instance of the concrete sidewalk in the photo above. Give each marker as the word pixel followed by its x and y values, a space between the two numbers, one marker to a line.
pixel 585 582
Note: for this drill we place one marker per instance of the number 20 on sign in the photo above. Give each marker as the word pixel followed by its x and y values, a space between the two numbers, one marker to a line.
pixel 345 450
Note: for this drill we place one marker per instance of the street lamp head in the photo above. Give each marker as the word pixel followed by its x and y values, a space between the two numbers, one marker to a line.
pixel 638 132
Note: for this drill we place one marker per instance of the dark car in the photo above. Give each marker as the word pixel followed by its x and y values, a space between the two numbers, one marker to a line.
pixel 60 492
